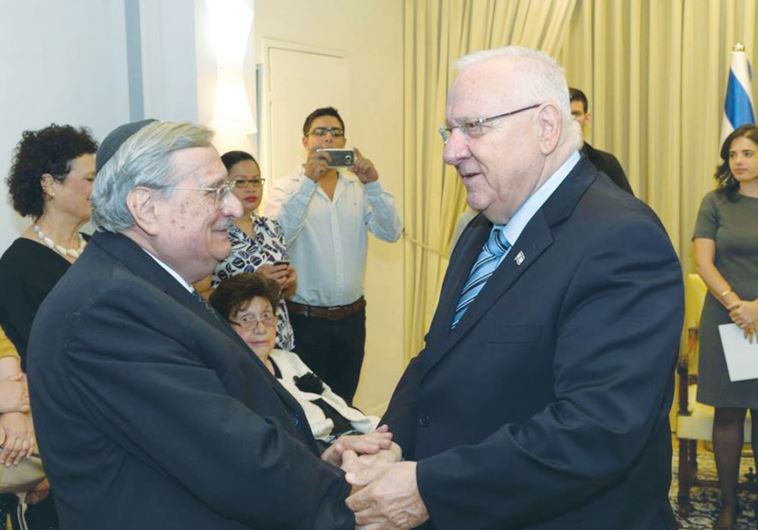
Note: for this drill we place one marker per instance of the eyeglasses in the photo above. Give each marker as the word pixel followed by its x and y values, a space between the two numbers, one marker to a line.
pixel 244 183
pixel 321 131
pixel 251 322
pixel 475 128
pixel 219 193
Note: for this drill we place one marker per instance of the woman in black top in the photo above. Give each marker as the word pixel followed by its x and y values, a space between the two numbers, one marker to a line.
pixel 50 181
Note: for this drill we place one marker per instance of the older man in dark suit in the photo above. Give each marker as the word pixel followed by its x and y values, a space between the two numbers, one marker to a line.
pixel 541 398
pixel 150 410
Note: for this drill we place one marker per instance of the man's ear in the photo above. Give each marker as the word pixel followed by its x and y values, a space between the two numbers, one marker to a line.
pixel 305 142
pixel 588 117
pixel 550 122
pixel 142 206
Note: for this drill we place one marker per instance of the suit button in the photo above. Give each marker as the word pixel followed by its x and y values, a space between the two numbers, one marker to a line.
pixel 295 420
pixel 424 421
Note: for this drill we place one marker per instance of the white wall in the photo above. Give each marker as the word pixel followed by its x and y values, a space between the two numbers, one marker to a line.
pixel 62 62
pixel 169 59
pixel 371 33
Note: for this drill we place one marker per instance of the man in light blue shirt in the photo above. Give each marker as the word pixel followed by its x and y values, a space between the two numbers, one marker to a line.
pixel 326 215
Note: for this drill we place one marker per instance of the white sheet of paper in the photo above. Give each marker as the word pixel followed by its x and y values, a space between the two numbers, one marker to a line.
pixel 741 355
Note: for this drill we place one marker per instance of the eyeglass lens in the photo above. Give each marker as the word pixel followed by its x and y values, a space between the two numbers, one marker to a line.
pixel 242 183
pixel 322 131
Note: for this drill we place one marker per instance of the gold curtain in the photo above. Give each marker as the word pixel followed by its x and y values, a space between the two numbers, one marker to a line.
pixel 655 74
pixel 437 32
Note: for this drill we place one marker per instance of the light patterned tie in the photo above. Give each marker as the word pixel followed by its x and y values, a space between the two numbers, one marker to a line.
pixel 494 248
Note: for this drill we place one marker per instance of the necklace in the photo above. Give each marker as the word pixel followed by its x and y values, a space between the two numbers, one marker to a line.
pixel 60 249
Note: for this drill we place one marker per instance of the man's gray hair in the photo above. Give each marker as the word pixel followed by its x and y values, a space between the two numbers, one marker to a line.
pixel 142 160
pixel 542 75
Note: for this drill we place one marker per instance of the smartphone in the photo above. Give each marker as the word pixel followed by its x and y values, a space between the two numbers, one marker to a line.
pixel 339 157
pixel 282 262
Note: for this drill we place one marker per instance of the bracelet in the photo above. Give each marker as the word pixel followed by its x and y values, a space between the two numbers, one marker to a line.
pixel 722 295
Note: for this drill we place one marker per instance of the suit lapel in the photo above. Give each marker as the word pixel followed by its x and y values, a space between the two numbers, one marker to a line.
pixel 531 244
pixel 535 238
pixel 470 245
pixel 141 264
pixel 124 250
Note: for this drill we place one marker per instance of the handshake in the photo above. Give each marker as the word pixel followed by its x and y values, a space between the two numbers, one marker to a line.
pixel 384 490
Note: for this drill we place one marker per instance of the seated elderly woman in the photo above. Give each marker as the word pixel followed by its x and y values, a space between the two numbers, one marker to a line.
pixel 249 301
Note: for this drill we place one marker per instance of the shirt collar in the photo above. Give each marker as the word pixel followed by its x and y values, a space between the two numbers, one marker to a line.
pixel 172 272
pixel 526 211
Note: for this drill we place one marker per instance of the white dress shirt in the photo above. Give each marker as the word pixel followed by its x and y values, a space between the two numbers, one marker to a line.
pixel 327 239
pixel 171 271
pixel 534 202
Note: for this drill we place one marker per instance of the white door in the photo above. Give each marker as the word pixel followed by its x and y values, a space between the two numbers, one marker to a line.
pixel 297 80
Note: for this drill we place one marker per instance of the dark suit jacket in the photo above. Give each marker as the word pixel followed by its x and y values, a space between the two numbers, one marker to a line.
pixel 547 407
pixel 608 164
pixel 152 414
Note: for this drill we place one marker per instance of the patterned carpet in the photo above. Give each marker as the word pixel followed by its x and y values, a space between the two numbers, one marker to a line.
pixel 705 501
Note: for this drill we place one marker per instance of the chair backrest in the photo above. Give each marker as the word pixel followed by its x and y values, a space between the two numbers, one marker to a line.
pixel 694 297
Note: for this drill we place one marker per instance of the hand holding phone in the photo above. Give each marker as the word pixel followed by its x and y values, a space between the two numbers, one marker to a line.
pixel 363 168
pixel 339 157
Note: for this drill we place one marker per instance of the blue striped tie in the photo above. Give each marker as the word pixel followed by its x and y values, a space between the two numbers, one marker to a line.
pixel 489 258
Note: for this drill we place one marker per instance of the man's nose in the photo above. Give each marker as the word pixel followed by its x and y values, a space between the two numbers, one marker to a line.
pixel 456 148
pixel 231 206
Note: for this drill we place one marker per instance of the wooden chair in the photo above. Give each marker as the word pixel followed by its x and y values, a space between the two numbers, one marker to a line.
pixel 694 420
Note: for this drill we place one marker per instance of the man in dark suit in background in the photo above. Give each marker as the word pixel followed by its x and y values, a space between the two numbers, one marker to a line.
pixel 151 412
pixel 603 161
pixel 541 397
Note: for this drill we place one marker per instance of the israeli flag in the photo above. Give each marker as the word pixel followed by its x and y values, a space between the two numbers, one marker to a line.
pixel 738 106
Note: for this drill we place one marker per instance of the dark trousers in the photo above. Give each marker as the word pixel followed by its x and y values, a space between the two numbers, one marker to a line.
pixel 333 349
pixel 43 516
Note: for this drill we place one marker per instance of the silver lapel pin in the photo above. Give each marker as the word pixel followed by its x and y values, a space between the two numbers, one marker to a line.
pixel 519 259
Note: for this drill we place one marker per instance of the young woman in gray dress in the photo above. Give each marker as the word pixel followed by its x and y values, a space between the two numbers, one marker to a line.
pixel 726 257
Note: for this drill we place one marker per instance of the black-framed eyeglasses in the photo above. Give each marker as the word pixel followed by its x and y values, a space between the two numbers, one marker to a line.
pixel 243 183
pixel 475 128
pixel 337 132
pixel 219 193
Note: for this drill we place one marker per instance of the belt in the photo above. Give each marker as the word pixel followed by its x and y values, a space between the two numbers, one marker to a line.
pixel 329 313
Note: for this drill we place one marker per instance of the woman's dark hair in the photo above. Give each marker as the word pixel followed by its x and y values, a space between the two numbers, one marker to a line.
pixel 49 150
pixel 236 292
pixel 234 157
pixel 727 183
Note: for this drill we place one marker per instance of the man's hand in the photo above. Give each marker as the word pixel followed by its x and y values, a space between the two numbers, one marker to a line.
pixel 393 454
pixel 316 165
pixel 370 443
pixel 385 495
pixel 364 169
